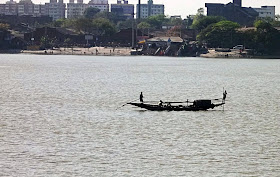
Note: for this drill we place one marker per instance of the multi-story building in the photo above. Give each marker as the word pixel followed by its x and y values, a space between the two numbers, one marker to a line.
pixel 75 10
pixel 150 9
pixel 56 9
pixel 233 12
pixel 2 8
pixel 123 9
pixel 24 7
pixel 266 11
pixel 102 5
pixel 39 10
pixel 10 8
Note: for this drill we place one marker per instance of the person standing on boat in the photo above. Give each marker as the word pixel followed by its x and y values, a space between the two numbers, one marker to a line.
pixel 141 97
pixel 224 96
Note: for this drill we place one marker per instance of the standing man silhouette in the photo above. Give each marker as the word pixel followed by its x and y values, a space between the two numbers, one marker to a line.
pixel 224 95
pixel 141 97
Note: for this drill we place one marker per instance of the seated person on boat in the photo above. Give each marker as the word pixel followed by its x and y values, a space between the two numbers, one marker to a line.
pixel 160 103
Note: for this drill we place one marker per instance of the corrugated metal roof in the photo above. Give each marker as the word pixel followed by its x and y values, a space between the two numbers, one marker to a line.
pixel 165 39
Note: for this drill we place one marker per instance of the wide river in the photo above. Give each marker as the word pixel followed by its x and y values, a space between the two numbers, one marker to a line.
pixel 63 116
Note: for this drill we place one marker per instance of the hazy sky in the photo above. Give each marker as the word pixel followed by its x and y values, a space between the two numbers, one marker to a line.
pixel 186 7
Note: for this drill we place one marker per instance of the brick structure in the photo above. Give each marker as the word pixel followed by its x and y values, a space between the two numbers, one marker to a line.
pixel 58 35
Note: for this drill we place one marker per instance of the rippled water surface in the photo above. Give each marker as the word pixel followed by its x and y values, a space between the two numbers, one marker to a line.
pixel 59 117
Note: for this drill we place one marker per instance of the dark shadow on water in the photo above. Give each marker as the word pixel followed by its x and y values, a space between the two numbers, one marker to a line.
pixel 141 110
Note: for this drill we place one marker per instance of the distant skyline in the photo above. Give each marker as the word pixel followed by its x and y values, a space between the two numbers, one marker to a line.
pixel 187 7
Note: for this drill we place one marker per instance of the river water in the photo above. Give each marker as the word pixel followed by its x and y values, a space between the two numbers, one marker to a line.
pixel 59 117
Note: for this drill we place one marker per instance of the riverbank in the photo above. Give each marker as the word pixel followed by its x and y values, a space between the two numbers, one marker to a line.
pixel 126 51
pixel 102 51
pixel 212 53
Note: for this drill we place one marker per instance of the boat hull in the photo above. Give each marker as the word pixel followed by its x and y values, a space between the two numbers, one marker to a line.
pixel 153 107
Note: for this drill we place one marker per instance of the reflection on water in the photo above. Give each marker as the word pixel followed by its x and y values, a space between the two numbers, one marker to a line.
pixel 59 117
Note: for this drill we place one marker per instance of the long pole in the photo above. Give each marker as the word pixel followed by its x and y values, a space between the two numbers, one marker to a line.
pixel 223 99
pixel 126 104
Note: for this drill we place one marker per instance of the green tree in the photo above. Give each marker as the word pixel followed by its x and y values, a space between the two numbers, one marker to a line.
pixel 201 23
pixel 83 25
pixel 200 11
pixel 176 21
pixel 189 21
pixel 69 23
pixel 111 16
pixel 156 21
pixel 248 38
pixel 277 17
pixel 265 19
pixel 67 42
pixel 104 26
pixel 125 24
pixel 91 12
pixel 262 25
pixel 59 22
pixel 226 25
pixel 4 26
pixel 275 23
pixel 143 26
pixel 221 34
pixel 47 42
pixel 267 37
pixel 199 15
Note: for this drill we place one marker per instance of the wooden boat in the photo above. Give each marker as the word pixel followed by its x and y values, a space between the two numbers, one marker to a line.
pixel 196 105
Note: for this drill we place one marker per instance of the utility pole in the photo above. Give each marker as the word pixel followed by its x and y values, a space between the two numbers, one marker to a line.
pixel 136 23
pixel 132 30
pixel 139 9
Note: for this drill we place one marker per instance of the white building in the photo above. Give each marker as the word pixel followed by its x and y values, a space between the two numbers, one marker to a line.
pixel 266 11
pixel 24 7
pixel 103 5
pixel 9 8
pixel 150 9
pixel 75 10
pixel 39 10
pixel 55 9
